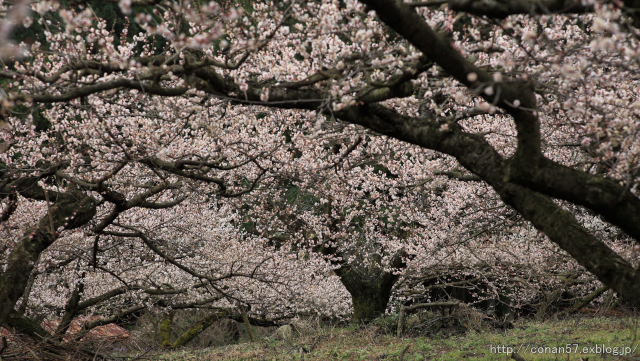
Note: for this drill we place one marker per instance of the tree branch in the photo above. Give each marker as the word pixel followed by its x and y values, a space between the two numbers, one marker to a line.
pixel 502 9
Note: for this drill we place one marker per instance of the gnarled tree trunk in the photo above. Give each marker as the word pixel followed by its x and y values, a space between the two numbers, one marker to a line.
pixel 369 297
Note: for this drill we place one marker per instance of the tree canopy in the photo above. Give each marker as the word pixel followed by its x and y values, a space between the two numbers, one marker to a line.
pixel 220 146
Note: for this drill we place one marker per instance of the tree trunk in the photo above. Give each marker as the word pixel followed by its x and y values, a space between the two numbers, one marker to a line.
pixel 369 301
pixel 165 329
pixel 369 297
pixel 27 292
pixel 70 311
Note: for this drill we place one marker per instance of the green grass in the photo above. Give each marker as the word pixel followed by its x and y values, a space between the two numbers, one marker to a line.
pixel 372 343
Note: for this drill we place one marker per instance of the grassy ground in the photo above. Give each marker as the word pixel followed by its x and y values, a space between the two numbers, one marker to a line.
pixel 592 338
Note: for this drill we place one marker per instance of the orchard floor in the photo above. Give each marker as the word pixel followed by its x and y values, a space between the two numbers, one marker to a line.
pixel 592 338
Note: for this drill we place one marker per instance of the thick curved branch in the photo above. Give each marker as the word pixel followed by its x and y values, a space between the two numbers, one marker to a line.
pixel 80 65
pixel 216 165
pixel 177 169
pixel 604 196
pixel 429 3
pixel 291 97
pixel 87 90
pixel 140 199
pixel 313 79
pixel 196 328
pixel 502 9
pixel 157 163
pixel 190 304
pixel 162 205
pixel 103 297
pixel 134 3
pixel 457 175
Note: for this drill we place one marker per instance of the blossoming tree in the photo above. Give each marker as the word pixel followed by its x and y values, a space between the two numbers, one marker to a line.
pixel 508 106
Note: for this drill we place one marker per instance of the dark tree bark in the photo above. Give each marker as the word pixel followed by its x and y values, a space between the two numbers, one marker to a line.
pixel 369 295
pixel 369 298
pixel 502 9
